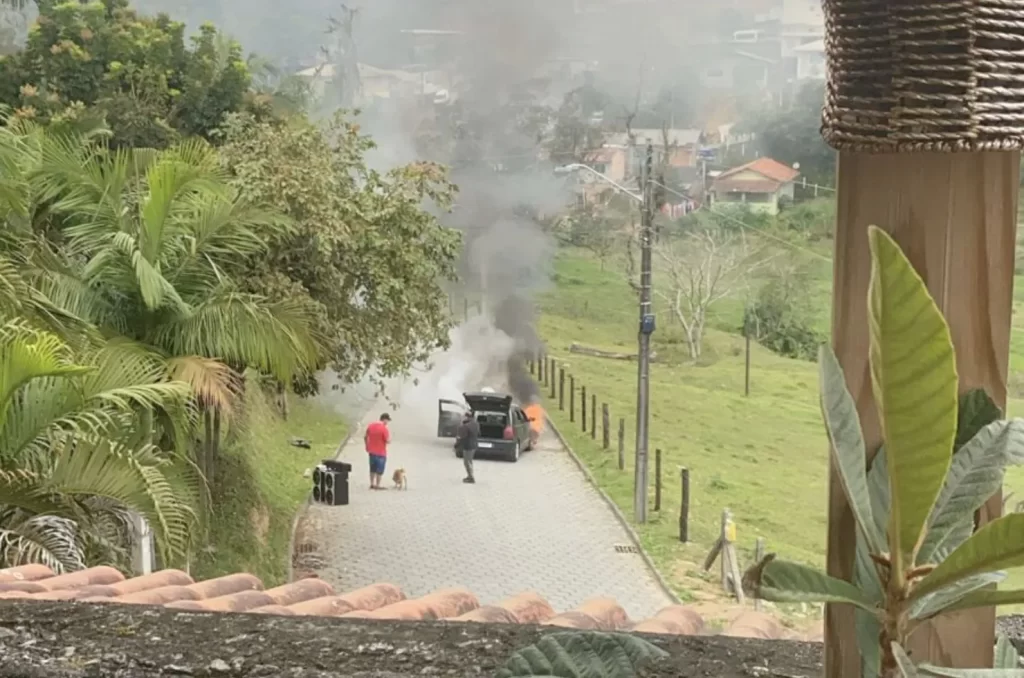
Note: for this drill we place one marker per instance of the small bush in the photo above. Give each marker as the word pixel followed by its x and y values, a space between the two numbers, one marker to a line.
pixel 779 323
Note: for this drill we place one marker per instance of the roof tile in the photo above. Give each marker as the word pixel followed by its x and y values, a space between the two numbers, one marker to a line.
pixel 243 592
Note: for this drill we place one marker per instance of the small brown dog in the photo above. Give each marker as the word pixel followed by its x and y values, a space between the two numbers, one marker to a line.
pixel 399 479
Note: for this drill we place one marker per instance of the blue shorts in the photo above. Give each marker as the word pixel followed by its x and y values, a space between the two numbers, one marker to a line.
pixel 377 464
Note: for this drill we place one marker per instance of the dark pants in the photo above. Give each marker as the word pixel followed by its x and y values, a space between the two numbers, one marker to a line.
pixel 467 461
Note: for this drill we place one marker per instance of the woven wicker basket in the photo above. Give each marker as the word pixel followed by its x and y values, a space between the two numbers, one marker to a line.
pixel 936 75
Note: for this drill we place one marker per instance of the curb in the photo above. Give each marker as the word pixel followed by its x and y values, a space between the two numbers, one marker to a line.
pixel 309 501
pixel 630 532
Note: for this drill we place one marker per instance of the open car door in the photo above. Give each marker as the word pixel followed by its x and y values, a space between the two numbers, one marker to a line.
pixel 449 416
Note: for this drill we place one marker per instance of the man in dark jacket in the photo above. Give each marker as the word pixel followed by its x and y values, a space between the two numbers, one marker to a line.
pixel 465 442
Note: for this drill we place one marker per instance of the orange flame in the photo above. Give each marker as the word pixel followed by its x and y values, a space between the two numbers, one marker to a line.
pixel 536 414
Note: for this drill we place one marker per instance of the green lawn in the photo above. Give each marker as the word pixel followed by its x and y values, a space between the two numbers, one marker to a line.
pixel 763 456
pixel 262 487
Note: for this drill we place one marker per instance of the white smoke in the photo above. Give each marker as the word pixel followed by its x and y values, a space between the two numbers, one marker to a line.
pixel 477 359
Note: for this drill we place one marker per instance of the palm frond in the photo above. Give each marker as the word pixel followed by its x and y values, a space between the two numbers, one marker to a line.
pixel 213 383
pixel 245 330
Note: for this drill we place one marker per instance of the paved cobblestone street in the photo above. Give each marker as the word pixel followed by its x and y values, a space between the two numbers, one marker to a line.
pixel 532 525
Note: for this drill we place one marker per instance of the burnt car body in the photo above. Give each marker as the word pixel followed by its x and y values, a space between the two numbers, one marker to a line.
pixel 504 427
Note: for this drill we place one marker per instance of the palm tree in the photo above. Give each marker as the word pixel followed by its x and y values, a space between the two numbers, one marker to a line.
pixel 77 455
pixel 154 242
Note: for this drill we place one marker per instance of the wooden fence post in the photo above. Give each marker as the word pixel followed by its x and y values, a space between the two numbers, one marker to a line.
pixel 542 366
pixel 593 416
pixel 606 427
pixel 622 444
pixel 583 407
pixel 684 506
pixel 725 551
pixel 551 371
pixel 572 399
pixel 657 479
pixel 533 367
pixel 561 388
pixel 746 370
pixel 758 556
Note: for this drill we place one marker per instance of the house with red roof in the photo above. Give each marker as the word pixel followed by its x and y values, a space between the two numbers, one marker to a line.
pixel 759 185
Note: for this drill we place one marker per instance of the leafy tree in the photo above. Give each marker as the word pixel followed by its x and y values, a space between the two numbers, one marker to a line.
pixel 578 125
pixel 364 253
pixel 101 60
pixel 779 317
pixel 76 455
pixel 155 242
pixel 918 554
pixel 91 429
pixel 594 228
pixel 792 134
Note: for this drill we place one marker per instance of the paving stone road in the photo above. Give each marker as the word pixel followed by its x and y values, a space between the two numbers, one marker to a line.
pixel 533 525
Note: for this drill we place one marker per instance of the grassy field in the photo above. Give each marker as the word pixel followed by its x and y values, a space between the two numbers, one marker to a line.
pixel 263 487
pixel 763 456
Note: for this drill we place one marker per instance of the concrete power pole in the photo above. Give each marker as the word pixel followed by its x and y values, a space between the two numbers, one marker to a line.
pixel 644 341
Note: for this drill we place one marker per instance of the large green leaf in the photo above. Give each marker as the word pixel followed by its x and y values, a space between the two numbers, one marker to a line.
pixel 785 582
pixel 943 672
pixel 988 598
pixel 588 654
pixel 1006 655
pixel 878 490
pixel 843 425
pixel 934 603
pixel 975 474
pixel 866 579
pixel 903 663
pixel 914 380
pixel 977 410
pixel 996 546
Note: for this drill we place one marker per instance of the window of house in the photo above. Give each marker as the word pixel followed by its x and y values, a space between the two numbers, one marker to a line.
pixel 600 167
pixel 759 197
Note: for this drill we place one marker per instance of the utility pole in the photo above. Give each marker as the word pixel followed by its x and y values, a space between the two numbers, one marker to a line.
pixel 644 340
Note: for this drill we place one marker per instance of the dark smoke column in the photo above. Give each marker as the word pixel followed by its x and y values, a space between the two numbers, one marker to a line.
pixel 515 316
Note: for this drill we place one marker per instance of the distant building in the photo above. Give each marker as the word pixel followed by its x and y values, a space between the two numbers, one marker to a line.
pixel 810 61
pixel 758 185
pixel 379 83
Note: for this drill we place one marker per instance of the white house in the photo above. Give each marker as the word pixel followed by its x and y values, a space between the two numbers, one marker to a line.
pixel 810 61
pixel 759 185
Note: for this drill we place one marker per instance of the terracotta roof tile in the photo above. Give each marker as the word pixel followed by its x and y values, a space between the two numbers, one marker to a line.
pixel 243 592
pixel 766 167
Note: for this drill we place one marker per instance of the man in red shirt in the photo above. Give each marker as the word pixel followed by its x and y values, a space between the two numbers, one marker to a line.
pixel 377 438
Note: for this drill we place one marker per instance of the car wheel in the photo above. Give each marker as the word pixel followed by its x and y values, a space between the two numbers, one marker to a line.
pixel 514 457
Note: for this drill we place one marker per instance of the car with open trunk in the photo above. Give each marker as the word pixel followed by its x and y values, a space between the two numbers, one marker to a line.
pixel 504 426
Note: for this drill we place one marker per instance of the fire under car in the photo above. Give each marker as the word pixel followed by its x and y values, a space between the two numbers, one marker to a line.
pixel 505 429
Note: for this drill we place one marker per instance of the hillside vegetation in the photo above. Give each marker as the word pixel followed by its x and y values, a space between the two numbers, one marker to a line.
pixel 763 456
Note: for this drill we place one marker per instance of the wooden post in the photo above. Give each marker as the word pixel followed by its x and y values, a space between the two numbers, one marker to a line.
pixel 746 369
pixel 684 506
pixel 657 479
pixel 533 367
pixel 583 407
pixel 572 399
pixel 606 427
pixel 593 416
pixel 551 378
pixel 561 388
pixel 963 246
pixel 758 556
pixel 542 363
pixel 622 444
pixel 730 562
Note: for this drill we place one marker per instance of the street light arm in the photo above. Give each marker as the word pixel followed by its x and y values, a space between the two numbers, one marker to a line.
pixel 579 166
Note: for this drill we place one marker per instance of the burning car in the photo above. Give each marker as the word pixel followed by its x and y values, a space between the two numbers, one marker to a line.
pixel 506 430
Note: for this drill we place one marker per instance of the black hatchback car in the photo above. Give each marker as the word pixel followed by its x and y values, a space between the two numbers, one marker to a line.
pixel 504 427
